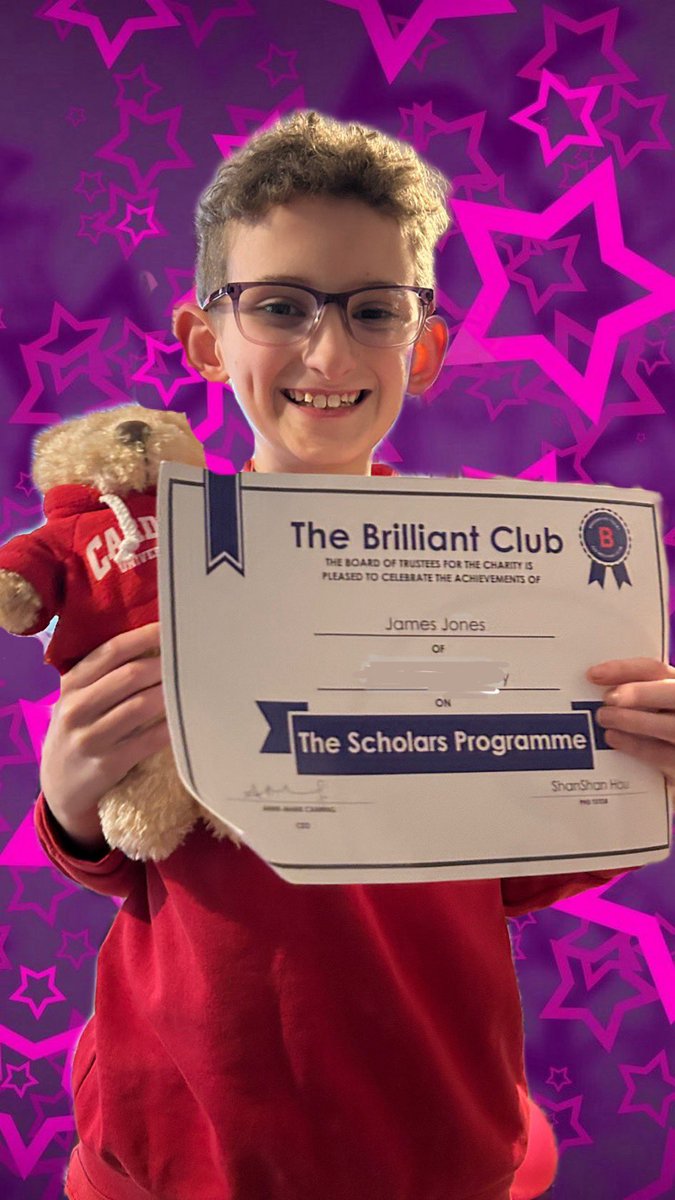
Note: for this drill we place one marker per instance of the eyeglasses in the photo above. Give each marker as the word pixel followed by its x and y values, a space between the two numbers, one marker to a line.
pixel 276 314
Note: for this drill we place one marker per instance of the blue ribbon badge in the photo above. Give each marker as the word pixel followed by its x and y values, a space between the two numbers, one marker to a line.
pixel 606 540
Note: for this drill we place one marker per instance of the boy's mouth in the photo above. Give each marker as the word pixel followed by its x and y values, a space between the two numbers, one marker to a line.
pixel 333 400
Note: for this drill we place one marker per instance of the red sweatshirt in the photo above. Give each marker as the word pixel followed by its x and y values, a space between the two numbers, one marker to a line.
pixel 254 1039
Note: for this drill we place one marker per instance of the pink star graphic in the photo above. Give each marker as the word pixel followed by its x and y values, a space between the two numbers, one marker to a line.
pixel 394 52
pixel 538 249
pixel 246 121
pixel 131 350
pixel 135 88
pixel 110 49
pixel 26 487
pixel 90 227
pixel 472 344
pixel 148 227
pixel 90 185
pixel 606 21
pixel 572 1110
pixel 658 1065
pixel 199 31
pixel 465 133
pixel 571 96
pixel 283 58
pixel 433 42
pixel 112 221
pixel 148 373
pixel 661 359
pixel 558 1077
pixel 84 358
pixel 170 118
pixel 565 954
pixel 659 142
pixel 592 906
pixel 54 995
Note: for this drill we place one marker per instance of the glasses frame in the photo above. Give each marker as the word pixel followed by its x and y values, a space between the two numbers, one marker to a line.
pixel 233 292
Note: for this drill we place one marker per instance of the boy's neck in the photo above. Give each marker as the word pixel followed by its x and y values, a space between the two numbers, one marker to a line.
pixel 262 468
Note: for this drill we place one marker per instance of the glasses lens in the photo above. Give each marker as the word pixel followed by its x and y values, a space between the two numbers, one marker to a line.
pixel 272 314
pixel 385 317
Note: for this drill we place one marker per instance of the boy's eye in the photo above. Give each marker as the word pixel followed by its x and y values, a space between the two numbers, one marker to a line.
pixel 278 308
pixel 374 313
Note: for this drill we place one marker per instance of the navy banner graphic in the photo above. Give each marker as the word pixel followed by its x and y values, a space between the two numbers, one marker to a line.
pixel 224 531
pixel 385 744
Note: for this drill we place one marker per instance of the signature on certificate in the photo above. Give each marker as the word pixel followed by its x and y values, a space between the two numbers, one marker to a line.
pixel 266 793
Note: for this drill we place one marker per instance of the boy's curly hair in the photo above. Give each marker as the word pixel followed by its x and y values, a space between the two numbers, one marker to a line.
pixel 309 154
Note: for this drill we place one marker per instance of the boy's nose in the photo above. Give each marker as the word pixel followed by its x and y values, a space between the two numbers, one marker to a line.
pixel 330 348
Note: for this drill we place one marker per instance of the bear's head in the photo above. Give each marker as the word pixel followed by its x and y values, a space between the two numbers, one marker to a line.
pixel 114 450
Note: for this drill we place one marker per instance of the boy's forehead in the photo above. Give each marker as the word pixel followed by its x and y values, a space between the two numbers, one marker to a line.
pixel 326 242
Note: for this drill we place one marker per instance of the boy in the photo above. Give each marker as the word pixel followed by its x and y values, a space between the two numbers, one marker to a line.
pixel 253 1039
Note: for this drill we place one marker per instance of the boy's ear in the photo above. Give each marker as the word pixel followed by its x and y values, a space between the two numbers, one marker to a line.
pixel 428 355
pixel 193 328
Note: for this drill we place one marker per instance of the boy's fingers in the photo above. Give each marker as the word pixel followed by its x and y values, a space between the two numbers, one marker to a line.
pixel 656 695
pixel 648 750
pixel 134 643
pixel 629 670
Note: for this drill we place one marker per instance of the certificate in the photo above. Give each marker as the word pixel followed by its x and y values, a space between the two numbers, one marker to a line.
pixel 381 679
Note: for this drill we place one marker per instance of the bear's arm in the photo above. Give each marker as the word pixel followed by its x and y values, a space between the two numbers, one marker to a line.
pixel 40 560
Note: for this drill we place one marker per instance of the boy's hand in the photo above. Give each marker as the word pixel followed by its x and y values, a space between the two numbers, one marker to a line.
pixel 97 733
pixel 638 713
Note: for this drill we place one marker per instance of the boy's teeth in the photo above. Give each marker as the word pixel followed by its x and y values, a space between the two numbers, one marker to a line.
pixel 334 400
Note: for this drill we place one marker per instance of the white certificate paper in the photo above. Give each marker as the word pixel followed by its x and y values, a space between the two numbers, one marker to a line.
pixel 383 679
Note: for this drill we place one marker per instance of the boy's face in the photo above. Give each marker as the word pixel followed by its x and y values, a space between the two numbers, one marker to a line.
pixel 332 244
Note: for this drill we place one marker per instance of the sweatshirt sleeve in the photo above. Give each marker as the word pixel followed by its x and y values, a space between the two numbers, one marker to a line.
pixel 113 874
pixel 528 893
pixel 40 562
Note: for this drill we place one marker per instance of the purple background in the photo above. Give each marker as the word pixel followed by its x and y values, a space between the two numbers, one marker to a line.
pixel 115 115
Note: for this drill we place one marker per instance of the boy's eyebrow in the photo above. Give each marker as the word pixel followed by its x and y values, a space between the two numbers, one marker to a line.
pixel 304 282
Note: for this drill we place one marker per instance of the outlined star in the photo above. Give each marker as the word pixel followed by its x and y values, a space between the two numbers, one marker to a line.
pixel 572 96
pixel 394 52
pixel 545 250
pixel 420 124
pixel 85 357
pixel 155 365
pixel 658 1066
pixel 122 203
pixel 130 352
pixel 554 20
pixel 660 359
pixel 558 1077
pixel 568 956
pixel 592 906
pixel 128 114
pixel 76 116
pixel 198 32
pixel 140 223
pixel 26 487
pixel 433 42
pixel 571 1109
pixel 660 142
pixel 111 48
pixel 135 88
pixel 246 121
pixel 54 995
pixel 275 59
pixel 90 184
pixel 472 343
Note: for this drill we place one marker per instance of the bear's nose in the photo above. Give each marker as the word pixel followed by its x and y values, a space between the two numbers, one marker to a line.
pixel 133 431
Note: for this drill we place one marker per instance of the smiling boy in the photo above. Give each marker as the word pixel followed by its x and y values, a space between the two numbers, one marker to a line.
pixel 254 1039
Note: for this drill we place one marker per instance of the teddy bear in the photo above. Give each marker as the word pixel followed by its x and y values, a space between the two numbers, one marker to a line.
pixel 93 564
